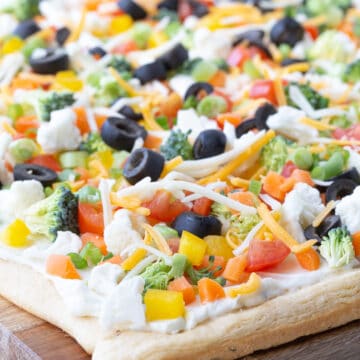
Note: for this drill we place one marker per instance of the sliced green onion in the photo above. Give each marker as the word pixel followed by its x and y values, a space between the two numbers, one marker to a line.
pixel 91 253
pixel 22 149
pixel 204 70
pixel 14 111
pixel 119 158
pixel 255 187
pixel 73 159
pixel 251 70
pixel 68 175
pixel 166 231
pixel 163 122
pixel 303 159
pixel 89 194
pixel 211 106
pixel 78 261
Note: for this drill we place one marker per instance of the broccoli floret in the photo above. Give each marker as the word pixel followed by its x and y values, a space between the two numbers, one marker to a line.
pixel 337 248
pixel 220 210
pixel 121 65
pixel 54 101
pixel 23 9
pixel 274 154
pixel 94 143
pixel 177 144
pixel 242 225
pixel 208 272
pixel 352 72
pixel 158 275
pixel 58 212
pixel 316 100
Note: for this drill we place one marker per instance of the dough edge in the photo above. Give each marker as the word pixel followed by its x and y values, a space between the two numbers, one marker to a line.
pixel 328 304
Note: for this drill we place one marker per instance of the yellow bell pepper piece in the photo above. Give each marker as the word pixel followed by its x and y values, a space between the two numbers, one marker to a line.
pixel 163 305
pixel 68 80
pixel 252 285
pixel 11 45
pixel 16 234
pixel 157 38
pixel 120 24
pixel 218 246
pixel 193 247
pixel 133 259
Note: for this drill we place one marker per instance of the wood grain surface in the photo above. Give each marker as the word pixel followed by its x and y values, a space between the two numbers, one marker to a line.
pixel 50 343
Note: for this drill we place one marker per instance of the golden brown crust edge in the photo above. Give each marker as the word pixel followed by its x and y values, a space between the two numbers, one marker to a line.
pixel 316 308
pixel 33 292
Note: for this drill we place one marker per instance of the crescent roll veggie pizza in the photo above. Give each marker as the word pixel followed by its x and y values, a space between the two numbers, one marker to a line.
pixel 180 178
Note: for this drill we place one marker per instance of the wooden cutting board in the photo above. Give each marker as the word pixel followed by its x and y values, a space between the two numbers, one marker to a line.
pixel 50 343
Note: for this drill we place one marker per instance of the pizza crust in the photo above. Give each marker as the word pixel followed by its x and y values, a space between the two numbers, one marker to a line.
pixel 316 308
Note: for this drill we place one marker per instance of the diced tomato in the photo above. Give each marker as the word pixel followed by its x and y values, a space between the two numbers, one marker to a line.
pixel 312 30
pixel 263 89
pixel 238 56
pixel 46 160
pixel 125 47
pixel 184 9
pixel 90 217
pixel 288 168
pixel 163 207
pixel 202 206
pixel 352 133
pixel 263 254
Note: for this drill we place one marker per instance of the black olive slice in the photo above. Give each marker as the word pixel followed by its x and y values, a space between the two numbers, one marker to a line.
pixel 62 35
pixel 286 31
pixel 120 133
pixel 128 112
pixel 149 72
pixel 245 126
pixel 35 172
pixel 250 35
pixel 52 61
pixel 310 234
pixel 175 57
pixel 291 61
pixel 142 163
pixel 26 28
pixel 351 174
pixel 169 5
pixel 209 143
pixel 195 89
pixel 97 51
pixel 196 224
pixel 340 188
pixel 133 9
pixel 262 114
pixel 330 222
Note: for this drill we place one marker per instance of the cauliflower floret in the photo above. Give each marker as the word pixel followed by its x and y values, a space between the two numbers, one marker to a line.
pixel 190 120
pixel 287 121
pixel 66 242
pixel 20 196
pixel 354 158
pixel 124 309
pixel 104 278
pixel 300 208
pixel 60 133
pixel 121 233
pixel 349 209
